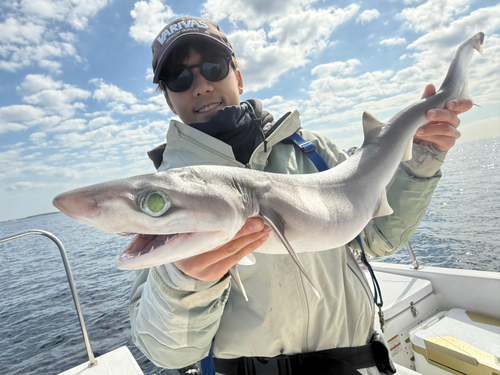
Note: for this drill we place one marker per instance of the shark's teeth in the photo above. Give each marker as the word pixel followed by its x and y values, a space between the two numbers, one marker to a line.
pixel 143 244
pixel 170 238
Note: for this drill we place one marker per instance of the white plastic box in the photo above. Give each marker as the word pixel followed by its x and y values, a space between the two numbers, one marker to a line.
pixel 457 342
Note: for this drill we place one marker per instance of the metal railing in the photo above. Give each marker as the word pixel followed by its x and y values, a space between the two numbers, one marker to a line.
pixel 92 360
pixel 412 256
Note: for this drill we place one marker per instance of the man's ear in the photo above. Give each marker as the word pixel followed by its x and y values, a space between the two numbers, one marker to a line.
pixel 240 81
pixel 169 103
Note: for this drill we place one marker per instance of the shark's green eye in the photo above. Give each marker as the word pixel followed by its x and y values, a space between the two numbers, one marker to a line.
pixel 155 203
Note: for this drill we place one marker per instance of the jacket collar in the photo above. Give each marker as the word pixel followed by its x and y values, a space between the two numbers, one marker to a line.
pixel 189 146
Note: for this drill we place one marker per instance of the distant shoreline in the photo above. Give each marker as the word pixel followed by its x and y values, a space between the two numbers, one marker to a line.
pixel 29 217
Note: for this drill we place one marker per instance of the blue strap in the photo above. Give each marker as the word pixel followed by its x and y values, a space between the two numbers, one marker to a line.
pixel 310 150
pixel 207 364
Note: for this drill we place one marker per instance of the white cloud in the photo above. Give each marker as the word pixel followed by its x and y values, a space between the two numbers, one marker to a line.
pixel 31 31
pixel 75 13
pixel 70 125
pixel 18 57
pixel 367 16
pixel 60 102
pixel 115 137
pixel 278 106
pixel 254 13
pixel 14 31
pixel 149 18
pixel 432 14
pixel 20 113
pixel 38 137
pixel 393 41
pixel 100 121
pixel 448 37
pixel 37 82
pixel 291 39
pixel 11 127
pixel 111 93
pixel 51 66
pixel 332 94
pixel 340 67
pixel 310 27
pixel 22 185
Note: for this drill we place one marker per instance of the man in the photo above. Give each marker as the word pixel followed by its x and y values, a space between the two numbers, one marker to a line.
pixel 179 311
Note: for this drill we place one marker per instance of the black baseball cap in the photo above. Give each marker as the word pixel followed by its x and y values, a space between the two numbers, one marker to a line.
pixel 181 29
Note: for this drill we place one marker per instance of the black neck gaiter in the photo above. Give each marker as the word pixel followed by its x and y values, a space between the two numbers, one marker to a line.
pixel 238 126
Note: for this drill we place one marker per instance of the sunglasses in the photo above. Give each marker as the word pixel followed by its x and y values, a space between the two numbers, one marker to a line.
pixel 180 79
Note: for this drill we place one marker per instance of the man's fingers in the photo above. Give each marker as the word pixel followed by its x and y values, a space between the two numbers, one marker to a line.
pixel 235 245
pixel 442 136
pixel 459 105
pixel 252 225
pixel 219 269
pixel 443 116
pixel 432 130
pixel 198 265
pixel 429 90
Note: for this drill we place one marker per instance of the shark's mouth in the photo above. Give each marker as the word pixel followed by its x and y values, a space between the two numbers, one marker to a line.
pixel 145 243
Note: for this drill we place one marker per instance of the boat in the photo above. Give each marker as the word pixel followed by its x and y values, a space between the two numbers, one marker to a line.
pixel 435 321
pixel 440 321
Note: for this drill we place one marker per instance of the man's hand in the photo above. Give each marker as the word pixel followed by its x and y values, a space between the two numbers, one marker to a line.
pixel 214 264
pixel 441 131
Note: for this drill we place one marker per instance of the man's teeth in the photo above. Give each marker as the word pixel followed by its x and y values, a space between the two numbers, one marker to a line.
pixel 208 107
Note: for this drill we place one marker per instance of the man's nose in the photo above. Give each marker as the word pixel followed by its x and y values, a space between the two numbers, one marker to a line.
pixel 200 84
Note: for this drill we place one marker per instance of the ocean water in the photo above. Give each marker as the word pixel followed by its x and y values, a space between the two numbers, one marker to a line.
pixel 461 228
pixel 39 330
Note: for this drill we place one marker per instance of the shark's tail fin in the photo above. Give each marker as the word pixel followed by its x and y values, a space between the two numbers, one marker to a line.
pixel 478 42
pixel 460 65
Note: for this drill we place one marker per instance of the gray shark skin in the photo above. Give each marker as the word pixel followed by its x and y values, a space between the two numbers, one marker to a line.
pixel 184 212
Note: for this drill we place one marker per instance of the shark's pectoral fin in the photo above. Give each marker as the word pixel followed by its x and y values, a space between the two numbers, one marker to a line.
pixel 409 151
pixel 233 271
pixel 383 209
pixel 275 222
pixel 249 260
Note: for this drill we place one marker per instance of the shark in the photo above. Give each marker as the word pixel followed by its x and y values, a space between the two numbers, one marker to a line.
pixel 183 212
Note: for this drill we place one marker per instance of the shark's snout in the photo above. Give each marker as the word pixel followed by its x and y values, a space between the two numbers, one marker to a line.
pixel 76 206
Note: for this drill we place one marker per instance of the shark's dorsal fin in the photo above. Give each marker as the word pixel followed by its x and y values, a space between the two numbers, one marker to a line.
pixel 383 209
pixel 370 123
pixel 409 151
pixel 233 271
pixel 275 222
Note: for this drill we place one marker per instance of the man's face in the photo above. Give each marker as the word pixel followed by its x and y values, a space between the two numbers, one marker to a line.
pixel 204 98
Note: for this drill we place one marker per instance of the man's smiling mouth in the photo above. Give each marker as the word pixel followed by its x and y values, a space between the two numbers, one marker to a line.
pixel 208 107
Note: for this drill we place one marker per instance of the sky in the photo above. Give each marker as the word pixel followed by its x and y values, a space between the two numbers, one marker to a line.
pixel 78 106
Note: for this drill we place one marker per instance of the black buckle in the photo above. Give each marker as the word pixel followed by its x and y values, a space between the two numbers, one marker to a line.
pixel 272 366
